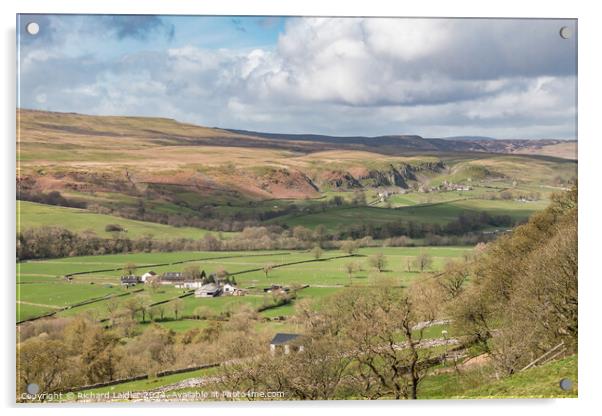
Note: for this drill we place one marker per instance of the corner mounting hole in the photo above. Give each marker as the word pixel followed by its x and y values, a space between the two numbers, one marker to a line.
pixel 565 32
pixel 566 384
pixel 32 28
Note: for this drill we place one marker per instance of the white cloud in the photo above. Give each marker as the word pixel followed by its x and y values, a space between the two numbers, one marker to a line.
pixel 338 76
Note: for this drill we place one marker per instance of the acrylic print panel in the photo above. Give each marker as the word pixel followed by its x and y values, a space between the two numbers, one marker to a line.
pixel 223 208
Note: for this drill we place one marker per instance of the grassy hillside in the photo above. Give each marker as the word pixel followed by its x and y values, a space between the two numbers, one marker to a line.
pixel 439 213
pixel 480 382
pixel 32 215
pixel 176 167
pixel 536 382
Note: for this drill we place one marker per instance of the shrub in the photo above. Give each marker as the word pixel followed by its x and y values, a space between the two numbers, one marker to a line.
pixel 114 227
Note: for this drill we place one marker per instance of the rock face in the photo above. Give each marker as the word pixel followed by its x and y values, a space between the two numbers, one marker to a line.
pixel 392 175
pixel 338 180
pixel 285 183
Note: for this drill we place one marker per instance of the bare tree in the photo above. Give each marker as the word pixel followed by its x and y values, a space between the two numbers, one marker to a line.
pixel 378 261
pixel 423 261
pixel 453 278
pixel 267 268
pixel 153 283
pixel 350 268
pixel 350 247
pixel 133 305
pixel 145 305
pixel 112 305
pixel 371 322
pixel 177 306
pixel 160 310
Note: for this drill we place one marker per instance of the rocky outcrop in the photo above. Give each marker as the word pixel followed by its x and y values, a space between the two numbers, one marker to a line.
pixel 338 180
pixel 392 175
pixel 287 183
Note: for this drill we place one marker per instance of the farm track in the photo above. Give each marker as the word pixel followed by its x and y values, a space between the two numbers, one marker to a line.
pixel 434 204
pixel 40 304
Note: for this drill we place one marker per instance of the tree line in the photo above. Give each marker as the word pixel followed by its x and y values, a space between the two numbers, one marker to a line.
pixel 55 242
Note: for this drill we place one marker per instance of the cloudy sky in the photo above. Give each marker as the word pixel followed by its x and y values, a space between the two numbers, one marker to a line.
pixel 340 76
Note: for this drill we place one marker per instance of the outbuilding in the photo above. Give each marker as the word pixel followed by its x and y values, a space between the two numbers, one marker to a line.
pixel 210 290
pixel 286 342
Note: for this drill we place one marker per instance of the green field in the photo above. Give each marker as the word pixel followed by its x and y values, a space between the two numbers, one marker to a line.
pixel 184 325
pixel 428 213
pixel 31 214
pixel 42 288
pixel 63 294
pixel 99 310
pixel 538 382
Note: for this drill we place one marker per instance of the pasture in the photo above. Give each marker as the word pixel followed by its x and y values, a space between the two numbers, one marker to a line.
pixel 41 287
pixel 436 212
pixel 31 215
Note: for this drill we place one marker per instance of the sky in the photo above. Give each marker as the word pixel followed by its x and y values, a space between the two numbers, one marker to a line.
pixel 501 78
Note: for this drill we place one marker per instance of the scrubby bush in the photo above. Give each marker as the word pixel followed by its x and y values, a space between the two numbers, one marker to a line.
pixel 113 228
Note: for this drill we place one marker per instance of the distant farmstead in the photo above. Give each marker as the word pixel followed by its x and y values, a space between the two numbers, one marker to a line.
pixel 148 275
pixel 232 290
pixel 130 280
pixel 218 288
pixel 285 343
pixel 189 284
pixel 181 278
pixel 169 278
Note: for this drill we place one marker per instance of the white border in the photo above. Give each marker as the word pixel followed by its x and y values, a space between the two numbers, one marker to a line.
pixel 590 152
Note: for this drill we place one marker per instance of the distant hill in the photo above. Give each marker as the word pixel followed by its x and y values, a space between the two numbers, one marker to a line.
pixel 469 138
pixel 163 171
pixel 399 144
pixel 168 132
pixel 412 143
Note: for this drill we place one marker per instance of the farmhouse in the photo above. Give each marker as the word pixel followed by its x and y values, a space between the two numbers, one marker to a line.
pixel 232 290
pixel 148 275
pixel 189 284
pixel 181 279
pixel 283 342
pixel 450 186
pixel 130 280
pixel 169 278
